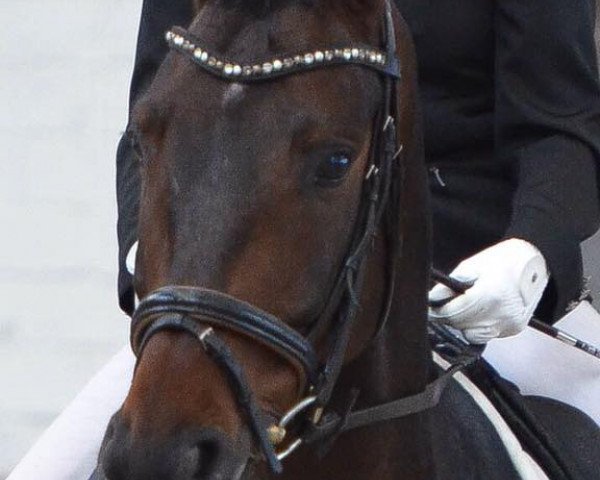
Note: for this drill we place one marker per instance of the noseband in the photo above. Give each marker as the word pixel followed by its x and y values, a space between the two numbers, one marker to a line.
pixel 202 313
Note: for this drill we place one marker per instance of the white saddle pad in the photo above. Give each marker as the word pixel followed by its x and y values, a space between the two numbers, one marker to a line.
pixel 542 365
pixel 68 450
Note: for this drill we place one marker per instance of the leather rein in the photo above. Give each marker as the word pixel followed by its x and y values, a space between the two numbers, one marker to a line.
pixel 201 312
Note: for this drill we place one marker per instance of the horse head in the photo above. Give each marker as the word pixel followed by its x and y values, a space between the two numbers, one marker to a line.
pixel 263 190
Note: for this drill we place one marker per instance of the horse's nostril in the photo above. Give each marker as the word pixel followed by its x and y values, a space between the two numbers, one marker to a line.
pixel 214 457
pixel 208 452
pixel 194 454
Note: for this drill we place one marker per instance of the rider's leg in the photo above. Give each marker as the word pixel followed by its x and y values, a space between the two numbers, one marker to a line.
pixel 549 368
pixel 69 448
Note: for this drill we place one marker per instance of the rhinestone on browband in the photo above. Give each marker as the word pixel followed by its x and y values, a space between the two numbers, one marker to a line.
pixel 181 41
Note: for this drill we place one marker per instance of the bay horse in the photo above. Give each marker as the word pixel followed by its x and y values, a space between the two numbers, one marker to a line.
pixel 283 259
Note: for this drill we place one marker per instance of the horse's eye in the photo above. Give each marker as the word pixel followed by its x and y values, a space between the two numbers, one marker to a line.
pixel 334 168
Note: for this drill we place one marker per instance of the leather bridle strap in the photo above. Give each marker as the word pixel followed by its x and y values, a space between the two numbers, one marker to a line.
pixel 333 424
pixel 220 310
pixel 377 190
pixel 267 69
pixel 403 407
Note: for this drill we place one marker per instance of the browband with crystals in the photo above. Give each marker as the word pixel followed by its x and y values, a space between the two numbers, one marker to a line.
pixel 182 41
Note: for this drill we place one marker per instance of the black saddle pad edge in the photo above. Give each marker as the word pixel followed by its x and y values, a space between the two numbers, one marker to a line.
pixel 535 439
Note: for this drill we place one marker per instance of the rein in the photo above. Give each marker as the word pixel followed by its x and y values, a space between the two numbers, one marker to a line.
pixel 201 312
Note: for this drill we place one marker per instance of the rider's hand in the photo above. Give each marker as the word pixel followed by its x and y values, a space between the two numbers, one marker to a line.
pixel 510 278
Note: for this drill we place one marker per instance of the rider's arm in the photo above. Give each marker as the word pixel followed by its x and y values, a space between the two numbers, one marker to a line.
pixel 548 125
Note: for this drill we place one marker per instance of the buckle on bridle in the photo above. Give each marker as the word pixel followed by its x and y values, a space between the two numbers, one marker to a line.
pixel 389 121
pixel 278 433
pixel 373 170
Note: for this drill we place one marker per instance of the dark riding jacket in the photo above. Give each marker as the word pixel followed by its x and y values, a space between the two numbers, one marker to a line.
pixel 511 105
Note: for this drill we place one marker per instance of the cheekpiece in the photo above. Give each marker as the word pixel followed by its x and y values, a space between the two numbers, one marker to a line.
pixel 182 41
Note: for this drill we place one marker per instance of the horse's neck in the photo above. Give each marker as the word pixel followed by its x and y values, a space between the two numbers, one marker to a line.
pixel 387 450
pixel 395 365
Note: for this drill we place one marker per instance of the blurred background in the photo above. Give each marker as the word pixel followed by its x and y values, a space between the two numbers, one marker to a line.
pixel 64 76
pixel 64 73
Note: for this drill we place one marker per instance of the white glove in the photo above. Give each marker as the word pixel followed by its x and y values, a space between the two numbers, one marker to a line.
pixel 510 278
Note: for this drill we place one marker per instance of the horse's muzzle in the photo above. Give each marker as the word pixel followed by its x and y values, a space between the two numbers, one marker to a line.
pixel 187 454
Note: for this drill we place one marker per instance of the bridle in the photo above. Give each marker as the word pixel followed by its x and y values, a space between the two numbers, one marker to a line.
pixel 201 312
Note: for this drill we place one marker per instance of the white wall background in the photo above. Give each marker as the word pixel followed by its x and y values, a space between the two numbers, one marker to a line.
pixel 65 67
